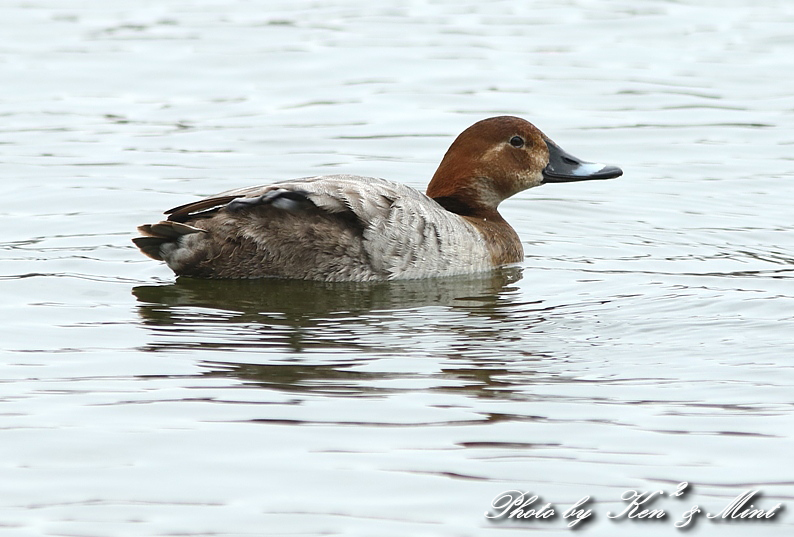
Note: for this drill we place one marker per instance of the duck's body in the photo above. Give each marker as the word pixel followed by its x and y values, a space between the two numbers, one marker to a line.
pixel 351 228
pixel 335 228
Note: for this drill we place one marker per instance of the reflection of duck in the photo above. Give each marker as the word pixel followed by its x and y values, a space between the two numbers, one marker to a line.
pixel 296 314
pixel 350 228
pixel 306 299
pixel 344 379
pixel 317 337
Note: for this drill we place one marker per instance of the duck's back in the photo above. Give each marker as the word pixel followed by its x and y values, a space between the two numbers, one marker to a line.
pixel 334 228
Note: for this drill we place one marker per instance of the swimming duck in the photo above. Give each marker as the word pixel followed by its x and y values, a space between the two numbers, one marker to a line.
pixel 351 228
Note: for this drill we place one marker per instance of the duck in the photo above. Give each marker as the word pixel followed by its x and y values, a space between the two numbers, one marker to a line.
pixel 362 229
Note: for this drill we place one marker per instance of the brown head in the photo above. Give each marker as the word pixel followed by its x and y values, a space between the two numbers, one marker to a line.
pixel 498 157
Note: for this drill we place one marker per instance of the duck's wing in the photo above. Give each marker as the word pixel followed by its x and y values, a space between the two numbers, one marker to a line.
pixel 363 196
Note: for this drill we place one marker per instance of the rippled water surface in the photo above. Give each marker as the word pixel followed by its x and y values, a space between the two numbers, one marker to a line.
pixel 645 340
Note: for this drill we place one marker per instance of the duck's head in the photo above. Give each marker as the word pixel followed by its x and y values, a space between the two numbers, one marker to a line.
pixel 501 156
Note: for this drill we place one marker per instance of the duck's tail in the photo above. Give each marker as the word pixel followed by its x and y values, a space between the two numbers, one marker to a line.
pixel 160 238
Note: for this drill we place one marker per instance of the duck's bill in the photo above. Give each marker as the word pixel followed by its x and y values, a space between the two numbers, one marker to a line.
pixel 565 168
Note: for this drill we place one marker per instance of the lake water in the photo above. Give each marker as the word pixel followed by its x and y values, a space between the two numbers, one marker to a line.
pixel 646 339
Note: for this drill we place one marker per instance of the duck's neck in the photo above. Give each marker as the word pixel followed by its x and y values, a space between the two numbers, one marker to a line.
pixel 461 206
pixel 472 196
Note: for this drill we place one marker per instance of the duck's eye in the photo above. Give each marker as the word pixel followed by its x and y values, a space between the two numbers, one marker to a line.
pixel 517 141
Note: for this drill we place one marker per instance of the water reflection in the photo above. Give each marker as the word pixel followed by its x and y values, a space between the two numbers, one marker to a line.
pixel 345 379
pixel 314 337
pixel 297 315
pixel 304 300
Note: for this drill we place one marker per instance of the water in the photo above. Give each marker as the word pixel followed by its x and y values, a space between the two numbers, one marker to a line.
pixel 644 341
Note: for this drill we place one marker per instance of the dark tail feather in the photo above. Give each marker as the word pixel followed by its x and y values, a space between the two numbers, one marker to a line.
pixel 150 246
pixel 156 235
